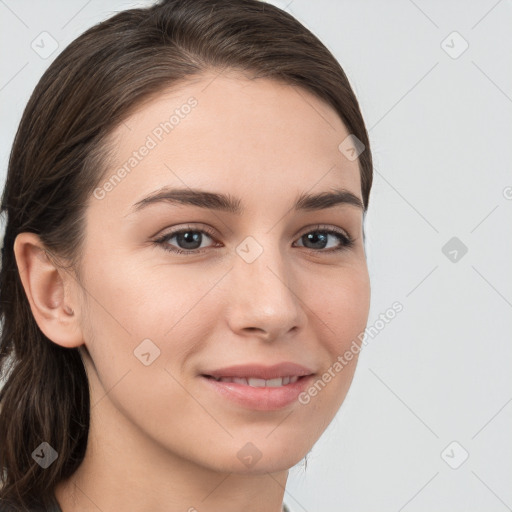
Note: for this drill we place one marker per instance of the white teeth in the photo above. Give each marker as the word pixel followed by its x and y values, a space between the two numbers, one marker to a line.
pixel 260 383
pixel 274 383
pixel 256 383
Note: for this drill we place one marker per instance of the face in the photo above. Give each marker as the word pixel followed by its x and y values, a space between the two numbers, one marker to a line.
pixel 183 289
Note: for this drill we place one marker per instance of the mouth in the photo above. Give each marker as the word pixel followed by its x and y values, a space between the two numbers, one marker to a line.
pixel 254 374
pixel 258 394
pixel 259 383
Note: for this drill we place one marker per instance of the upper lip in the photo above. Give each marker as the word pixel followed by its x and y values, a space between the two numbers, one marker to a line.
pixel 286 369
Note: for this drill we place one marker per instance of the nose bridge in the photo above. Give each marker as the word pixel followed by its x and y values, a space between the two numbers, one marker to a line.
pixel 263 292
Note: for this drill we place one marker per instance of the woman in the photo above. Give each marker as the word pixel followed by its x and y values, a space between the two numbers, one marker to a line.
pixel 183 270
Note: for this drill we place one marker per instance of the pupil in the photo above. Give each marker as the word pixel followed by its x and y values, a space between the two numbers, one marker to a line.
pixel 190 237
pixel 314 237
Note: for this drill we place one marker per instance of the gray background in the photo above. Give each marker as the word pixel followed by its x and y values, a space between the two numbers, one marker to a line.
pixel 441 130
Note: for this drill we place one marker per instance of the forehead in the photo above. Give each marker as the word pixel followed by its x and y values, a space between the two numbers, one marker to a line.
pixel 230 131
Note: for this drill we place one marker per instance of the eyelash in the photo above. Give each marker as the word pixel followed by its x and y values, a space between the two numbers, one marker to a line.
pixel 346 241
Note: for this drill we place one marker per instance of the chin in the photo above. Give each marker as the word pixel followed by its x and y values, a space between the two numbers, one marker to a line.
pixel 261 456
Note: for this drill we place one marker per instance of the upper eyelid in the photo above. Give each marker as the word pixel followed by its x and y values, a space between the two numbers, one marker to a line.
pixel 208 231
pixel 326 227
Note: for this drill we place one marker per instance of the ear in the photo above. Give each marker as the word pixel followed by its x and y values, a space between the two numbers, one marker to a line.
pixel 45 286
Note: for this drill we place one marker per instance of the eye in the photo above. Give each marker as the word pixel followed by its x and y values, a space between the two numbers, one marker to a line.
pixel 319 239
pixel 189 240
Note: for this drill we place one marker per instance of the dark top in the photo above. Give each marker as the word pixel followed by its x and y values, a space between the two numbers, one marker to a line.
pixel 55 507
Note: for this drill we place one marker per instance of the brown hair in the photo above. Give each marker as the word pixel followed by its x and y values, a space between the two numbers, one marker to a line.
pixel 59 157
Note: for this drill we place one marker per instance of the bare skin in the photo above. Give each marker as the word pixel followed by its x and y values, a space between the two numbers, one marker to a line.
pixel 160 438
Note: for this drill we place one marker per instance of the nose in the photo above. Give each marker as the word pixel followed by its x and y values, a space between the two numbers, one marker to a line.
pixel 264 300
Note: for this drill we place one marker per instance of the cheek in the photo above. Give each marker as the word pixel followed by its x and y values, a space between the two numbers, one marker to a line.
pixel 148 314
pixel 140 330
pixel 339 310
pixel 342 304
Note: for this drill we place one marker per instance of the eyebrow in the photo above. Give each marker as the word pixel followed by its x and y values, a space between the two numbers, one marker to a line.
pixel 230 204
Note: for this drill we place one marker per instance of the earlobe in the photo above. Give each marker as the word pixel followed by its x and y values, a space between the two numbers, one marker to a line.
pixel 45 287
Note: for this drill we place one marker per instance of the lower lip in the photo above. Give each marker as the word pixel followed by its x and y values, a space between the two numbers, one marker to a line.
pixel 260 398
